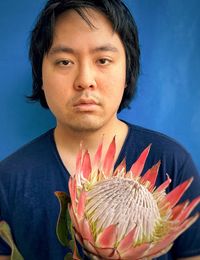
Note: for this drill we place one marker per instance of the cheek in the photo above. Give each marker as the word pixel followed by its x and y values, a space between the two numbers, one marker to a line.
pixel 116 84
pixel 54 87
pixel 113 94
pixel 55 95
pixel 53 83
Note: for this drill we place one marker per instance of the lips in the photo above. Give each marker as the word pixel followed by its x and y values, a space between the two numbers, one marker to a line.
pixel 86 104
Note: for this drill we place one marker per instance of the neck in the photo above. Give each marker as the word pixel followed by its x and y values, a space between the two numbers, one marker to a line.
pixel 68 140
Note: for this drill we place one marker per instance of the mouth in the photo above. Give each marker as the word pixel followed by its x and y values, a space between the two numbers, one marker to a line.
pixel 86 105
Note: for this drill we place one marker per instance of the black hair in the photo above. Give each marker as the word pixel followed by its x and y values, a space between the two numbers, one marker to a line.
pixel 123 23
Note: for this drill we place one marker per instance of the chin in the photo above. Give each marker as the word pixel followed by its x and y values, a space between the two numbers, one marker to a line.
pixel 87 122
pixel 85 125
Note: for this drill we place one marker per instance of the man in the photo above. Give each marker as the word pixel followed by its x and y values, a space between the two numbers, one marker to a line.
pixel 85 61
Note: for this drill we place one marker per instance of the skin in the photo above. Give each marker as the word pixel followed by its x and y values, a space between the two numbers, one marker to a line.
pixel 83 81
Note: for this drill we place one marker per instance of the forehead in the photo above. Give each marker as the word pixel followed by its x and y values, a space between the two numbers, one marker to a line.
pixel 89 16
pixel 90 28
pixel 87 20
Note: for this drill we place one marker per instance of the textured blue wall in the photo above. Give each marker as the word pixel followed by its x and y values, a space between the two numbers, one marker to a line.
pixel 168 97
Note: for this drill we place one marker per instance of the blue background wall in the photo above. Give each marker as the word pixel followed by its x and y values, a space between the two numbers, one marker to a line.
pixel 168 97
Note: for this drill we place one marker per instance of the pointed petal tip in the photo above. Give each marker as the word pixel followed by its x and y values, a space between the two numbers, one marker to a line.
pixel 188 209
pixel 138 165
pixel 149 146
pixel 108 163
pixel 86 167
pixel 165 184
pixel 81 144
pixel 174 196
pixel 121 167
pixel 190 180
pixel 151 175
pixel 98 154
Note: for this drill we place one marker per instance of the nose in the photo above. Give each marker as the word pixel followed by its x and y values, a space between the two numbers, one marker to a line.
pixel 85 77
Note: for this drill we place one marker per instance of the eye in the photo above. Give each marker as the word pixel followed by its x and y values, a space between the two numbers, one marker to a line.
pixel 64 63
pixel 104 61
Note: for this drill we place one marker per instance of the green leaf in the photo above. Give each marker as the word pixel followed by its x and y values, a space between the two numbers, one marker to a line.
pixel 63 223
pixel 68 256
pixel 71 244
pixel 6 235
pixel 69 223
pixel 64 226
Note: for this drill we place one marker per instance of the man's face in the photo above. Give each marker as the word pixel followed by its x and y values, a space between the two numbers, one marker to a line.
pixel 84 72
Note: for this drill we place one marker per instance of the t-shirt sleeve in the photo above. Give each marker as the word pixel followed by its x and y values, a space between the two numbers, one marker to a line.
pixel 188 244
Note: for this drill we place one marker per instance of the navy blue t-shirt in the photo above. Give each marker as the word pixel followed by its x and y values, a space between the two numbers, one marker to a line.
pixel 30 176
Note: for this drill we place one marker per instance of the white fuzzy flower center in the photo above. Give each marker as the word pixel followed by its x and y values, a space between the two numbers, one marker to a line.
pixel 124 202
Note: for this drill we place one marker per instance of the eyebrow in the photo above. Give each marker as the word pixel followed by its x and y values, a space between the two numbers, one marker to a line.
pixel 107 47
pixel 65 49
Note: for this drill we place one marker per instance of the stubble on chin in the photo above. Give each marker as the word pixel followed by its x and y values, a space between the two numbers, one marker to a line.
pixel 84 123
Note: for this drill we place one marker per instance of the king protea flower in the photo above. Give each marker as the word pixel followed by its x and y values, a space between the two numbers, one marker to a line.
pixel 122 215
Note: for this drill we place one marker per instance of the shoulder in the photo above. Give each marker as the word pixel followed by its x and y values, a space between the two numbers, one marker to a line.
pixel 30 154
pixel 159 140
pixel 175 159
pixel 161 144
